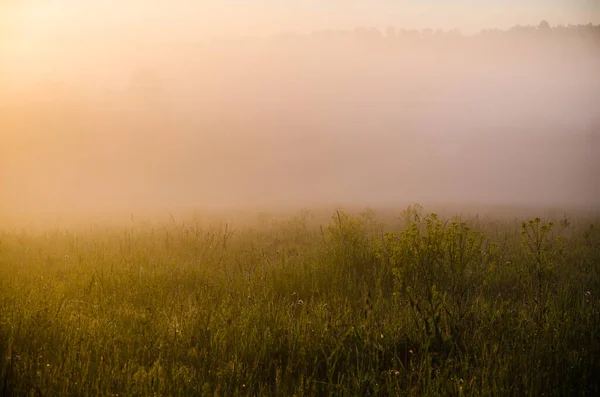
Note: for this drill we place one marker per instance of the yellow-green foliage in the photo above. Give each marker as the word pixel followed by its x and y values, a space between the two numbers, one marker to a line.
pixel 435 307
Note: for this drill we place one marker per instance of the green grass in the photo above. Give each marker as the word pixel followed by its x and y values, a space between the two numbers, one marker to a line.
pixel 411 305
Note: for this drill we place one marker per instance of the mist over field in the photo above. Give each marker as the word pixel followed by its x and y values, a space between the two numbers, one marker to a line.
pixel 359 116
pixel 305 198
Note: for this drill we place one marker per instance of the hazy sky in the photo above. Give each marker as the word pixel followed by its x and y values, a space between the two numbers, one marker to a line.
pixel 32 19
pixel 42 35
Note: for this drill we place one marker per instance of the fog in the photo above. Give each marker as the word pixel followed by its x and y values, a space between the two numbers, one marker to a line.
pixel 361 116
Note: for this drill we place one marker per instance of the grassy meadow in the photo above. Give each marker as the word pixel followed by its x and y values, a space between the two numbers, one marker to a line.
pixel 360 304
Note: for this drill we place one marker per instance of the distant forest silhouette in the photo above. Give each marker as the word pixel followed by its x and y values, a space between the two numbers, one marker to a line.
pixel 543 29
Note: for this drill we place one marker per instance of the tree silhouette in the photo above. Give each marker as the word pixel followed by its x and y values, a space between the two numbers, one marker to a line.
pixel 544 25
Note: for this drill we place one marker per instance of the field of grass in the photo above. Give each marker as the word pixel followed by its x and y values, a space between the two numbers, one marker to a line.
pixel 416 304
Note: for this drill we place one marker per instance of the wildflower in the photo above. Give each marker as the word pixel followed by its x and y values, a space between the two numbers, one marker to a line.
pixel 300 302
pixel 588 293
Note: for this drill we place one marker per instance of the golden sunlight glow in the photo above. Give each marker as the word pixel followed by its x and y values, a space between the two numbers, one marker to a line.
pixel 107 104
